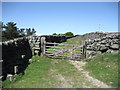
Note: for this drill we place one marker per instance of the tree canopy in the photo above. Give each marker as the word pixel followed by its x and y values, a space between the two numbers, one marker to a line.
pixel 10 31
pixel 68 34
pixel 54 34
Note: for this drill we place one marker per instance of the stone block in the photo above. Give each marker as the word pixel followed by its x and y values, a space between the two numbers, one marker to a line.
pixel 114 46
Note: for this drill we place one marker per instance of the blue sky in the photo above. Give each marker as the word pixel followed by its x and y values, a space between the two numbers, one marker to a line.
pixel 61 17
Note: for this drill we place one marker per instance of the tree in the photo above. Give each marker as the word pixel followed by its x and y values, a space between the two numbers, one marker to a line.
pixel 1 25
pixel 11 30
pixel 54 34
pixel 22 32
pixel 68 34
pixel 33 31
pixel 30 32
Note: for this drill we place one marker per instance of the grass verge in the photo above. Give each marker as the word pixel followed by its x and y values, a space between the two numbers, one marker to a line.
pixel 105 68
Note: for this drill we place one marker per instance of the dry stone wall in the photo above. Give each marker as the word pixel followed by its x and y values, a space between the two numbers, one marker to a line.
pixel 36 42
pixel 55 38
pixel 107 44
pixel 93 35
pixel 15 52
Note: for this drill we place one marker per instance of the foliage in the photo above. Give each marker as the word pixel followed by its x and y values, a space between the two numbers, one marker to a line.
pixel 10 31
pixel 68 34
pixel 22 32
pixel 1 24
pixel 57 34
pixel 105 68
pixel 30 32
pixel 54 34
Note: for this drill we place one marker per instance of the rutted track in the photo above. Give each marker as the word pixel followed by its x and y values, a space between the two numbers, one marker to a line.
pixel 95 82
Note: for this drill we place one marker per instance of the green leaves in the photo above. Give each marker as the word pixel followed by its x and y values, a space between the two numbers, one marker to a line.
pixel 10 31
pixel 68 34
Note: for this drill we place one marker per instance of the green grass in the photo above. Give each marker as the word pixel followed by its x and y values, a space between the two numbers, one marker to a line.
pixel 70 73
pixel 39 74
pixel 34 73
pixel 74 40
pixel 105 68
pixel 44 73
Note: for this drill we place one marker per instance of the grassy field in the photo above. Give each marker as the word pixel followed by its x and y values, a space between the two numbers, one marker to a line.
pixel 105 68
pixel 75 40
pixel 48 73
pixel 58 73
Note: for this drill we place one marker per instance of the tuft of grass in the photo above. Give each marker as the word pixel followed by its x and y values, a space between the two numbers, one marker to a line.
pixel 104 67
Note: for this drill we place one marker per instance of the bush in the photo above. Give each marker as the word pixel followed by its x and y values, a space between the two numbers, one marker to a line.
pixel 68 34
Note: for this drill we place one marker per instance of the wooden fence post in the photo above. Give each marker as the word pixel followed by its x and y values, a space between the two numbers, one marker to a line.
pixel 73 52
pixel 43 46
pixel 15 69
pixel 54 47
pixel 84 49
